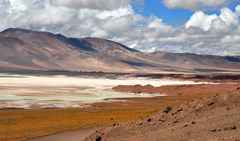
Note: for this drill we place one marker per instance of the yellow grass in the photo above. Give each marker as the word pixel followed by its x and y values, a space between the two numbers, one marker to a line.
pixel 18 125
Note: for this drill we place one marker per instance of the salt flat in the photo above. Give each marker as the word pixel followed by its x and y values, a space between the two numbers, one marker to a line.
pixel 23 91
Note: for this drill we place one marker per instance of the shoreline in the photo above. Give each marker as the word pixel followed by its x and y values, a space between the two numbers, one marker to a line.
pixel 69 92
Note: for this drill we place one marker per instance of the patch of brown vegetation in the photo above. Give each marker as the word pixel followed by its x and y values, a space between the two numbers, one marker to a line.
pixel 17 124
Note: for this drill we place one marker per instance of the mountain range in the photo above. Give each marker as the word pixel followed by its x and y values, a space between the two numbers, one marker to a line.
pixel 23 49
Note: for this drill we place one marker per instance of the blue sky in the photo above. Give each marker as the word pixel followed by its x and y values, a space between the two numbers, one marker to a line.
pixel 176 16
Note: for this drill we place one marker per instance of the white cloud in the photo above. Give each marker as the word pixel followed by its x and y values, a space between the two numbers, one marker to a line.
pixel 220 33
pixel 219 26
pixel 229 17
pixel 199 19
pixel 194 4
pixel 17 5
pixel 91 4
pixel 206 34
pixel 158 25
pixel 117 13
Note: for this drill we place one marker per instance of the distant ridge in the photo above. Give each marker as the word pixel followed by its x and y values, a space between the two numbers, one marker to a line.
pixel 23 49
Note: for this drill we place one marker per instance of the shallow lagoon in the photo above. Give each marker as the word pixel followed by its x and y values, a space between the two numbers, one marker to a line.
pixel 65 92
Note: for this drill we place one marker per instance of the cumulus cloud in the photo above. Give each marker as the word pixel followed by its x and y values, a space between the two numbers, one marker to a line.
pixel 219 32
pixel 227 19
pixel 194 4
pixel 203 33
pixel 91 4
pixel 199 19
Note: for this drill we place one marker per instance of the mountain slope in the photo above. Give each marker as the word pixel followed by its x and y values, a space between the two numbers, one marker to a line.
pixel 46 51
pixel 198 62
pixel 31 50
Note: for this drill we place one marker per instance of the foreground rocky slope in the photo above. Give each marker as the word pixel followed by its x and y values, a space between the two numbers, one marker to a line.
pixel 31 50
pixel 213 119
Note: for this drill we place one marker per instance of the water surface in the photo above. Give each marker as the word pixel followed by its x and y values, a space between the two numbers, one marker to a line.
pixel 64 92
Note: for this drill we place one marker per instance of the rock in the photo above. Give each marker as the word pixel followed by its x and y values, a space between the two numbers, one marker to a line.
pixel 167 110
pixel 175 121
pixel 230 128
pixel 98 138
pixel 149 86
pixel 211 103
pixel 149 120
pixel 179 110
pixel 214 130
pixel 161 120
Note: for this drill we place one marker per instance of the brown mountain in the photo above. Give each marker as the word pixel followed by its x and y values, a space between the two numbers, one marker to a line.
pixel 32 50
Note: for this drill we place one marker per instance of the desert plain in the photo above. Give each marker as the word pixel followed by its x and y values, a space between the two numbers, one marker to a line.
pixel 41 108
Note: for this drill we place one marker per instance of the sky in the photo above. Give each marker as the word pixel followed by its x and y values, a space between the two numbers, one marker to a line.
pixel 193 26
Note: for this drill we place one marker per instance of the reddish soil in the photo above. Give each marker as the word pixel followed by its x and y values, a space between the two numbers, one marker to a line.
pixel 179 89
pixel 215 118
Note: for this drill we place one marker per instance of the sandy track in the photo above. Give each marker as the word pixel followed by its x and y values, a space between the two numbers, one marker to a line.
pixel 78 135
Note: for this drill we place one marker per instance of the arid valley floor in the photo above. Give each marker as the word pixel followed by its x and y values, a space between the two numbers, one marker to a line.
pixel 120 70
pixel 135 108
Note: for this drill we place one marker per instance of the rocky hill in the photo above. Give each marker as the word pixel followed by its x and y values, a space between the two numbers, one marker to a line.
pixel 32 50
